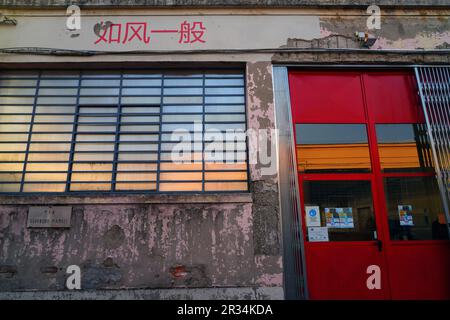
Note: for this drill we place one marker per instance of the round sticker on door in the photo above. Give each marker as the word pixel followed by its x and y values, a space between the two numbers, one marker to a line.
pixel 312 216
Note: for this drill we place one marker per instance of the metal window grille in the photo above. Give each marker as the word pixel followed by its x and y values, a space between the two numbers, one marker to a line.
pixel 113 131
pixel 434 90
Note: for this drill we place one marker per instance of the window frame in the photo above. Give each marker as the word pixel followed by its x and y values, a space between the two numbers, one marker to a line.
pixel 202 74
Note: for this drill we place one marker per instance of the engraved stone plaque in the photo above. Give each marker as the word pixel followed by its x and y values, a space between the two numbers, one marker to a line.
pixel 49 217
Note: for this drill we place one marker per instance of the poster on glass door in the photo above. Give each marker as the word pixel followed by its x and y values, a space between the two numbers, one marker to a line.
pixel 339 218
pixel 405 215
pixel 318 234
pixel 312 216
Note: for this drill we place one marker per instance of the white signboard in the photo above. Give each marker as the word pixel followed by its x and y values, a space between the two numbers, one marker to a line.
pixel 159 32
pixel 49 217
pixel 312 216
pixel 318 234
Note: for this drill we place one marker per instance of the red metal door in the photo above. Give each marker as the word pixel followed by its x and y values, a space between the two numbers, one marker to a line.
pixel 418 255
pixel 361 154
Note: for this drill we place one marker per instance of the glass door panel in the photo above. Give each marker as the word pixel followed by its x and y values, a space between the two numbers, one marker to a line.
pixel 327 148
pixel 415 209
pixel 345 209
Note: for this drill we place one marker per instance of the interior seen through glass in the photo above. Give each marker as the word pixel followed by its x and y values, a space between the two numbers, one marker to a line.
pixel 323 148
pixel 404 148
pixel 345 207
pixel 415 209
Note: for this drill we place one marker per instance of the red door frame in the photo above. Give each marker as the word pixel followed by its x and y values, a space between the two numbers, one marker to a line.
pixel 376 177
pixel 438 250
pixel 347 244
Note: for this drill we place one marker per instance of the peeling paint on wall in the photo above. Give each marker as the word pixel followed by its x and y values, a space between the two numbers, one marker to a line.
pixel 260 113
pixel 132 244
pixel 427 30
pixel 131 247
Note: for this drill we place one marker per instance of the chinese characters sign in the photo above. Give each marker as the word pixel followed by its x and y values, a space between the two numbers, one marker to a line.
pixel 153 31
pixel 143 32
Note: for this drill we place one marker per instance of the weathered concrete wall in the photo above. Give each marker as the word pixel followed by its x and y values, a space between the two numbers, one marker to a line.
pixel 133 246
pixel 264 181
pixel 405 37
pixel 419 30
pixel 365 57
pixel 234 293
pixel 219 3
pixel 261 118
pixel 399 30
pixel 153 242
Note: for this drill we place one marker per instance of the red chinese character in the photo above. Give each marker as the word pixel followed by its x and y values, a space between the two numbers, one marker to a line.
pixel 136 30
pixel 198 30
pixel 110 30
pixel 192 33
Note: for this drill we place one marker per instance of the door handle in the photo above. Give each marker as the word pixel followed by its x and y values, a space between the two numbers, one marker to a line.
pixel 380 245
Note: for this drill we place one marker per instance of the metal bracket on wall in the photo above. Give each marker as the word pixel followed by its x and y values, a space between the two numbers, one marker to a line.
pixel 4 20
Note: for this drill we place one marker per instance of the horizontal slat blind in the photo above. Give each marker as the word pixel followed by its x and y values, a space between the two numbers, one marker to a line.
pixel 108 131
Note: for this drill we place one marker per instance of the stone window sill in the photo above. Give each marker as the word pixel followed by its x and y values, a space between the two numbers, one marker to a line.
pixel 29 199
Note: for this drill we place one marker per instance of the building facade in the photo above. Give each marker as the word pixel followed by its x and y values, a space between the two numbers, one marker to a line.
pixel 224 149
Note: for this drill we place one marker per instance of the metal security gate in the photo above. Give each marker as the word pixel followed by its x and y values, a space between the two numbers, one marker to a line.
pixel 434 89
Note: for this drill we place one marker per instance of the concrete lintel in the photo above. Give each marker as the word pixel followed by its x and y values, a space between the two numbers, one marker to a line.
pixel 219 3
pixel 415 57
pixel 126 199
pixel 234 293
